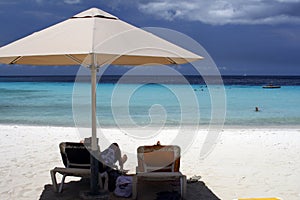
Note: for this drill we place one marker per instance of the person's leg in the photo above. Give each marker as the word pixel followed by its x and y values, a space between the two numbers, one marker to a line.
pixel 112 178
pixel 102 167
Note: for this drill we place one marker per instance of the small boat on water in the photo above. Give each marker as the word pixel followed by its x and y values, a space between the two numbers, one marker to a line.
pixel 271 86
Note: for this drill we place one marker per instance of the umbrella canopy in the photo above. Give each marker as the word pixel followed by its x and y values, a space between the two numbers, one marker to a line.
pixel 93 32
pixel 94 38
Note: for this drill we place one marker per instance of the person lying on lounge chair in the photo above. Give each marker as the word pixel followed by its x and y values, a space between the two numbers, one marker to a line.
pixel 107 162
pixel 111 155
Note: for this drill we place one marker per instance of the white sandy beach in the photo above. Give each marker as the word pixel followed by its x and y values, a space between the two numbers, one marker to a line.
pixel 246 162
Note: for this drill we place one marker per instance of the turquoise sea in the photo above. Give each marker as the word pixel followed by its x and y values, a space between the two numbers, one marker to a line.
pixel 52 102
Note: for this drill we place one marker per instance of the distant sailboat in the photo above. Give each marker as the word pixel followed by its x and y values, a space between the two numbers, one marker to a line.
pixel 271 86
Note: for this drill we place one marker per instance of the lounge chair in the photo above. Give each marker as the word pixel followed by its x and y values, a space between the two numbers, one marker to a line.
pixel 159 163
pixel 76 159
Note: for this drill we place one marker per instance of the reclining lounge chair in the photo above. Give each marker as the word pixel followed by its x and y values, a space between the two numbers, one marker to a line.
pixel 159 163
pixel 76 159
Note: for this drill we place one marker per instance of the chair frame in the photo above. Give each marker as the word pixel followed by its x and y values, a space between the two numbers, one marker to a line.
pixel 83 173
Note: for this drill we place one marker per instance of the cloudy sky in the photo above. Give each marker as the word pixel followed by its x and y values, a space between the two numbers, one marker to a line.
pixel 253 37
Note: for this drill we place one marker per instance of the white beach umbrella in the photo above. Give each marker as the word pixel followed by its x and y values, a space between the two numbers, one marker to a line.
pixel 93 37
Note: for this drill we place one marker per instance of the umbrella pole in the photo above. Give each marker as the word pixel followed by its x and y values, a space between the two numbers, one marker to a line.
pixel 94 160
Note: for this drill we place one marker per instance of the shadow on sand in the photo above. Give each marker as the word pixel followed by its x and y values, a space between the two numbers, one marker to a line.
pixel 72 190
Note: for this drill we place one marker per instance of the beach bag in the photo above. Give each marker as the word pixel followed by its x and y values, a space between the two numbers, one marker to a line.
pixel 123 186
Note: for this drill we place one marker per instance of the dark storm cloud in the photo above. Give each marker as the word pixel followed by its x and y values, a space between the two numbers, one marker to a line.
pixel 243 36
pixel 215 12
pixel 220 12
